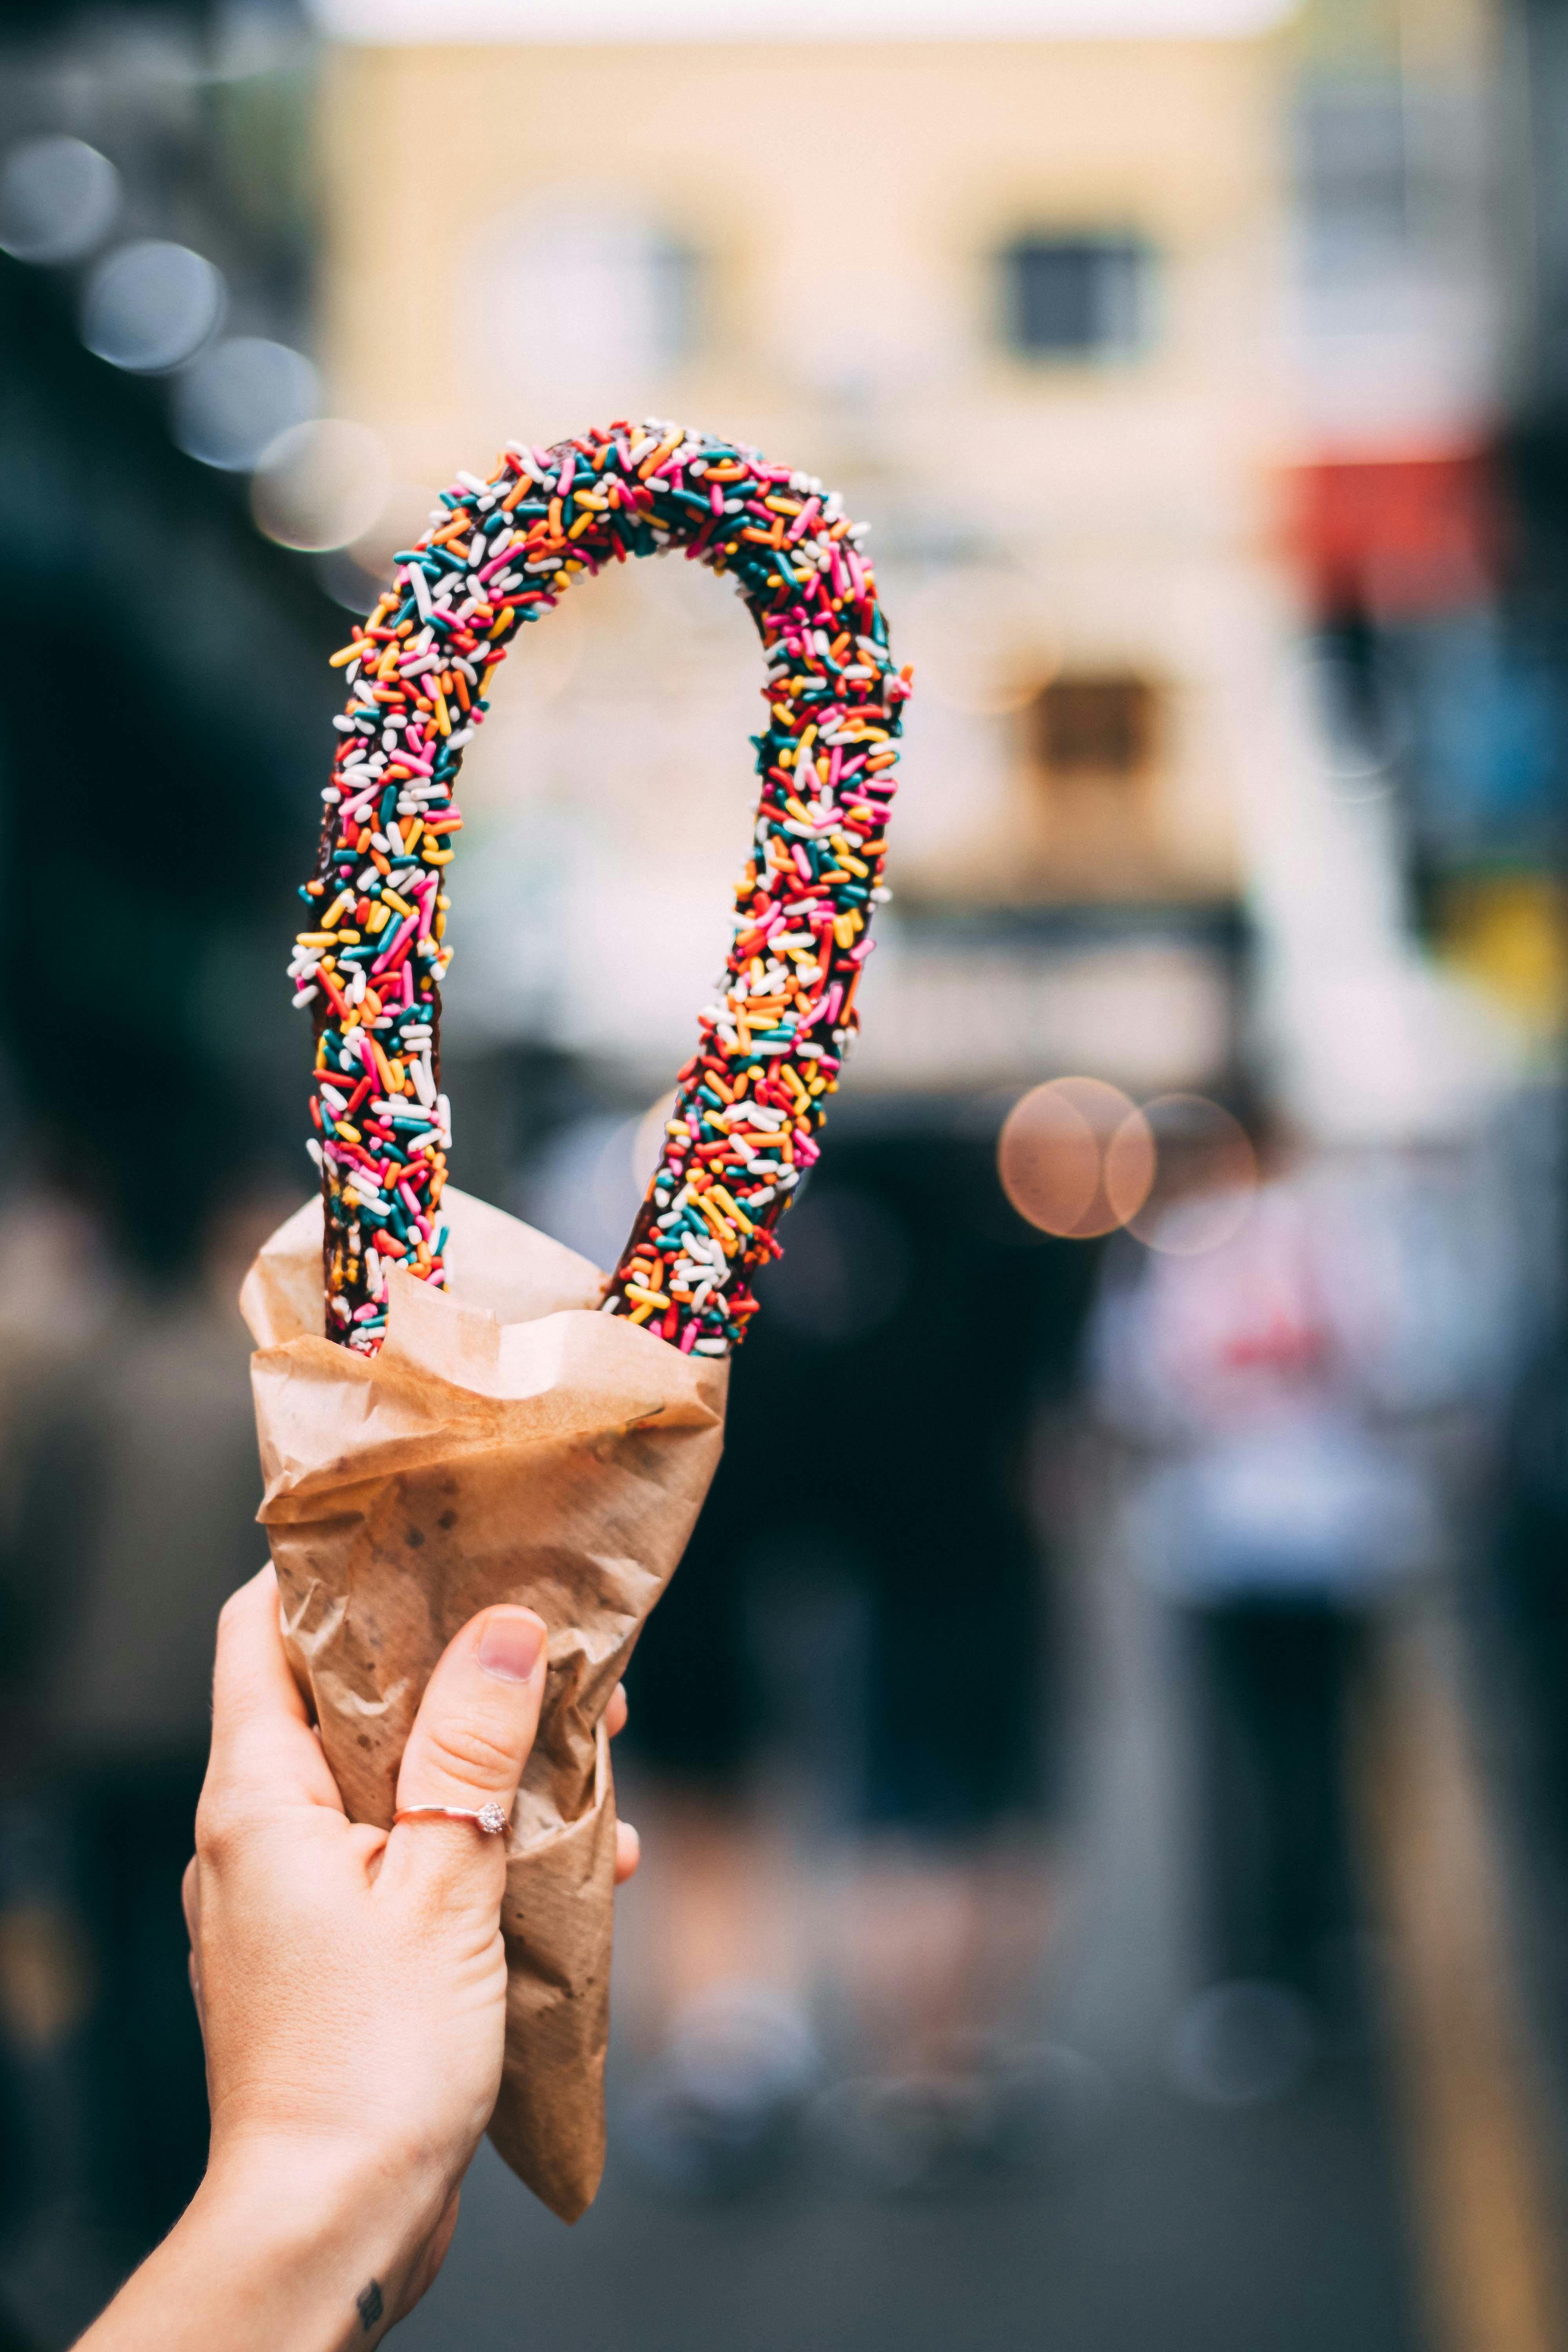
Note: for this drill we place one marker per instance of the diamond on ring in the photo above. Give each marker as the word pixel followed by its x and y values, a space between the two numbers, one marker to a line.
pixel 491 1817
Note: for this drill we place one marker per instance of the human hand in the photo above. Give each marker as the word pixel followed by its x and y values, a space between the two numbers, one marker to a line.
pixel 350 1984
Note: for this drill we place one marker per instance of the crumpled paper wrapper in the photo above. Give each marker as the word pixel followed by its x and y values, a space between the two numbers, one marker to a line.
pixel 507 1443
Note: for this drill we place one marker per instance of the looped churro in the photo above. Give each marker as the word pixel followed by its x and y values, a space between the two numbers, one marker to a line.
pixel 749 1103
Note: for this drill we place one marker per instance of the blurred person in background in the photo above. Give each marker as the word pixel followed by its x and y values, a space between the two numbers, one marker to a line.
pixel 136 1490
pixel 868 1586
pixel 1293 1394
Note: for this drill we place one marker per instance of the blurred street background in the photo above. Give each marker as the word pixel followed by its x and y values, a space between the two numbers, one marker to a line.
pixel 1106 1864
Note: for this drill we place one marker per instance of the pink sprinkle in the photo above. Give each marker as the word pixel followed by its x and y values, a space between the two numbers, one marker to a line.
pixel 688 1338
pixel 803 863
pixel 404 932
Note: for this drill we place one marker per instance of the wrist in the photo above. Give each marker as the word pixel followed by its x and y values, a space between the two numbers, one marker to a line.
pixel 288 2246
pixel 338 2225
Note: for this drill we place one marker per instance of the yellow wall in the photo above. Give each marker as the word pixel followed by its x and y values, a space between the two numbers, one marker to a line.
pixel 849 200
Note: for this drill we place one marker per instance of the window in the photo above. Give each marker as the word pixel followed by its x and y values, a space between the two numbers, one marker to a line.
pixel 1094 727
pixel 1077 296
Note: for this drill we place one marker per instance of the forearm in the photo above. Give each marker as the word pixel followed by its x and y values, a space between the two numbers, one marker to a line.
pixel 289 2255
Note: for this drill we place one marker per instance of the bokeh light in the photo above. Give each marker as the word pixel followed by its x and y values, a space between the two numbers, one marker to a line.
pixel 1204 1178
pixel 321 485
pixel 233 402
pixel 1076 1157
pixel 150 306
pixel 58 199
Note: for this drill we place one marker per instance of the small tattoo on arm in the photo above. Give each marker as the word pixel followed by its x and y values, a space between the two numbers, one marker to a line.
pixel 370 2305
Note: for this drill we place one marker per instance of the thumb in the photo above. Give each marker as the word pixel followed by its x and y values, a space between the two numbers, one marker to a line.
pixel 470 1740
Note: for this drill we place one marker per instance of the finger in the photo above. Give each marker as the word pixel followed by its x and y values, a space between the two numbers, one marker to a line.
pixel 616 1713
pixel 263 1748
pixel 628 1852
pixel 472 1735
pixel 191 1903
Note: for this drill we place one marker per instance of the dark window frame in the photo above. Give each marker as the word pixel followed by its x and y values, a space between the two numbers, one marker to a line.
pixel 1101 726
pixel 1077 296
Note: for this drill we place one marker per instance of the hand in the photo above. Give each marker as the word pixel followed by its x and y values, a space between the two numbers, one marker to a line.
pixel 350 1984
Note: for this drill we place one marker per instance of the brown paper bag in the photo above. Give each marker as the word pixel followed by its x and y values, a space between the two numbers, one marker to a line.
pixel 508 1443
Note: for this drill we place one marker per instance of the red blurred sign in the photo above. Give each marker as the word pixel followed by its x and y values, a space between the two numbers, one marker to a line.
pixel 1395 537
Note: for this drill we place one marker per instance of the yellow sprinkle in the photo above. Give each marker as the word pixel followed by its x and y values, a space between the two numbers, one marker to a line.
pixel 337 911
pixel 378 920
pixel 732 1209
pixel 443 718
pixel 724 1234
pixel 437 856
pixel 640 1314
pixel 389 898
pixel 645 1298
pixel 344 654
pixel 844 930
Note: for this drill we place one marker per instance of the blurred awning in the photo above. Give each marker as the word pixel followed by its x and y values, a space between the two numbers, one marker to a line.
pixel 1389 538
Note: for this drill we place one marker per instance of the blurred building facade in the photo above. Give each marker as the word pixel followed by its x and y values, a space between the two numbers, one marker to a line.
pixel 1166 370
pixel 1027 318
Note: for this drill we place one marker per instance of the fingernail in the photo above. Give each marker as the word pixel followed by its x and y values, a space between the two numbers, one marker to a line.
pixel 509 1647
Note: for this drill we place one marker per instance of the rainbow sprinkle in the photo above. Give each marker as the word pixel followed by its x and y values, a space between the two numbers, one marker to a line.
pixel 748 1105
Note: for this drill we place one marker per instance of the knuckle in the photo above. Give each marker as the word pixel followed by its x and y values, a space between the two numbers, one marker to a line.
pixel 217 1831
pixel 469 1753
